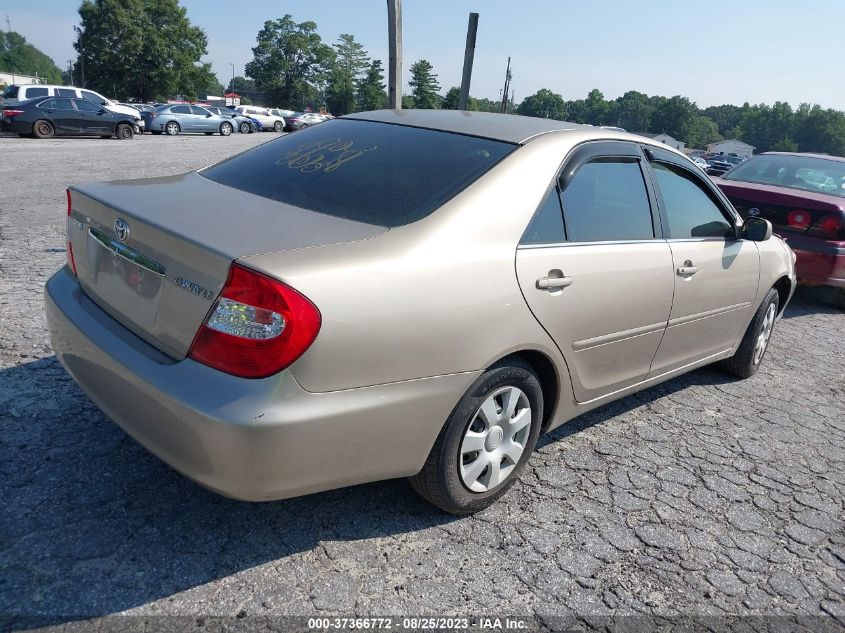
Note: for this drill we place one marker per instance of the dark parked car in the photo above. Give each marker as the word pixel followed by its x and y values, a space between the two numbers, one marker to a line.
pixel 242 123
pixel 46 117
pixel 722 163
pixel 803 196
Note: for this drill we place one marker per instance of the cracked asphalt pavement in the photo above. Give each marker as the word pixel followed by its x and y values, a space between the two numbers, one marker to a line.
pixel 703 496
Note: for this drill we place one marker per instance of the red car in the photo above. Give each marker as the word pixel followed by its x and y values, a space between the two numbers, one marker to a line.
pixel 803 196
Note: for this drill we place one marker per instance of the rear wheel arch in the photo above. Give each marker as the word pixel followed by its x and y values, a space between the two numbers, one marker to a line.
pixel 548 375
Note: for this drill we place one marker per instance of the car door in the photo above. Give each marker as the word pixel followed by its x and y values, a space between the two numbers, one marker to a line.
pixel 203 119
pixel 184 117
pixel 93 119
pixel 716 272
pixel 595 271
pixel 62 114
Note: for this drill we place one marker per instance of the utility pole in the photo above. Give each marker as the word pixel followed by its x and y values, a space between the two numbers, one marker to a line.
pixel 394 64
pixel 233 86
pixel 503 107
pixel 70 70
pixel 513 101
pixel 469 55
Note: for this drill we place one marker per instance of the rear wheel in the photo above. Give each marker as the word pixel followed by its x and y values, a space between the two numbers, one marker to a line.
pixel 225 128
pixel 125 132
pixel 837 298
pixel 43 129
pixel 278 126
pixel 245 128
pixel 172 128
pixel 485 443
pixel 749 355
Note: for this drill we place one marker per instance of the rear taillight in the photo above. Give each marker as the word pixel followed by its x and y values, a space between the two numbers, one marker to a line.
pixel 799 219
pixel 830 225
pixel 11 113
pixel 257 327
pixel 71 262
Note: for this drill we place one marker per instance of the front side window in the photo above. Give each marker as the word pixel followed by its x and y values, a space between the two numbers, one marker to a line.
pixel 690 210
pixel 200 111
pixel 93 97
pixel 546 227
pixel 32 93
pixel 607 200
pixel 377 173
pixel 87 106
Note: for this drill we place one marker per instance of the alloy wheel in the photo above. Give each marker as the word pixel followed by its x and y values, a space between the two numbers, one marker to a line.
pixel 495 439
pixel 765 334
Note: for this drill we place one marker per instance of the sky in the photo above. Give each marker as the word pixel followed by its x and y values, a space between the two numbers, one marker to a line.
pixel 736 51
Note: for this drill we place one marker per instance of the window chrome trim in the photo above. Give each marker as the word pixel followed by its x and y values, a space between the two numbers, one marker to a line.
pixel 654 240
pixel 130 255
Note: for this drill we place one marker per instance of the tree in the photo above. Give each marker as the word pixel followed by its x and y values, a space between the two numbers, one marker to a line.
pixel 350 62
pixel 701 132
pixel 371 94
pixel 598 111
pixel 424 85
pixel 453 98
pixel 146 49
pixel 726 117
pixel 289 62
pixel 633 112
pixel 673 116
pixel 545 104
pixel 820 130
pixel 20 57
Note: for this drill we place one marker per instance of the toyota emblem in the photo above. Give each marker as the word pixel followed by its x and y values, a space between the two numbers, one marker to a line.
pixel 754 211
pixel 121 229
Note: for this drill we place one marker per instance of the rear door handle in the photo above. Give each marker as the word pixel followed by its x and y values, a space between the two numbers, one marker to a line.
pixel 554 283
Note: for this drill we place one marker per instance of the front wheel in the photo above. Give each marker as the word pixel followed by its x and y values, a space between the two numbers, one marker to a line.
pixel 245 128
pixel 172 128
pixel 125 132
pixel 43 129
pixel 278 126
pixel 225 128
pixel 749 355
pixel 486 442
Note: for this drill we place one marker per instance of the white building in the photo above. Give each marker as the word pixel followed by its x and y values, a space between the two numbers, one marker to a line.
pixel 665 139
pixel 731 146
pixel 9 79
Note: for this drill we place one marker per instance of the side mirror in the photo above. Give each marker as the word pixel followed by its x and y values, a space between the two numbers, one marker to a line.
pixel 102 111
pixel 756 229
pixel 208 116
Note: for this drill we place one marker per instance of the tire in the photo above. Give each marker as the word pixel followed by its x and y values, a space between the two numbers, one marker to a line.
pixel 172 128
pixel 245 128
pixel 837 298
pixel 303 126
pixel 752 349
pixel 226 128
pixel 124 132
pixel 448 479
pixel 43 129
pixel 278 126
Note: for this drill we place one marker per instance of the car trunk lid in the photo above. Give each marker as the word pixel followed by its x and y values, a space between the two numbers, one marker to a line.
pixel 155 253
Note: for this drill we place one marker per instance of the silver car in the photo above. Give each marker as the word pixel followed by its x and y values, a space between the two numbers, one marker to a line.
pixel 403 294
pixel 174 119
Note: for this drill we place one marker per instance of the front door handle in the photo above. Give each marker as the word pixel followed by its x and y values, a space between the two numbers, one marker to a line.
pixel 554 283
pixel 687 270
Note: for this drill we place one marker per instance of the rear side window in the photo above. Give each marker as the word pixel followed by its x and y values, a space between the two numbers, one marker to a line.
pixel 546 227
pixel 57 104
pixel 182 109
pixel 381 174
pixel 65 92
pixel 32 93
pixel 689 209
pixel 607 200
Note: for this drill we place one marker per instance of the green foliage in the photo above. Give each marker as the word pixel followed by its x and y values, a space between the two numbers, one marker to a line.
pixel 545 104
pixel 633 111
pixel 290 63
pixel 143 49
pixel 424 85
pixel 371 94
pixel 19 56
pixel 453 99
pixel 408 102
pixel 350 62
pixel 702 131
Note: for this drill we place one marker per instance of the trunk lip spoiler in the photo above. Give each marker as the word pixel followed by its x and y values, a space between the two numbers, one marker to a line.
pixel 129 254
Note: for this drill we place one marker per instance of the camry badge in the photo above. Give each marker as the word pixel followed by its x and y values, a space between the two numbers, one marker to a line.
pixel 190 286
pixel 121 229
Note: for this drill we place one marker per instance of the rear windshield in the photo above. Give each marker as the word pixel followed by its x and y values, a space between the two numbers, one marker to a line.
pixel 378 173
pixel 808 173
pixel 11 92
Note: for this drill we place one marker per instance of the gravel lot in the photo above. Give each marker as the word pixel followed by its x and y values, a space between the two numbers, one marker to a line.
pixel 700 497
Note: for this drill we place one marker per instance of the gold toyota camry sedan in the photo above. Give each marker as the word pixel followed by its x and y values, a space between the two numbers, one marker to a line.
pixel 403 294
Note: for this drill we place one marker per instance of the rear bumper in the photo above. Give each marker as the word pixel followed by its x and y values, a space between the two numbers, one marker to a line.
pixel 248 439
pixel 819 262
